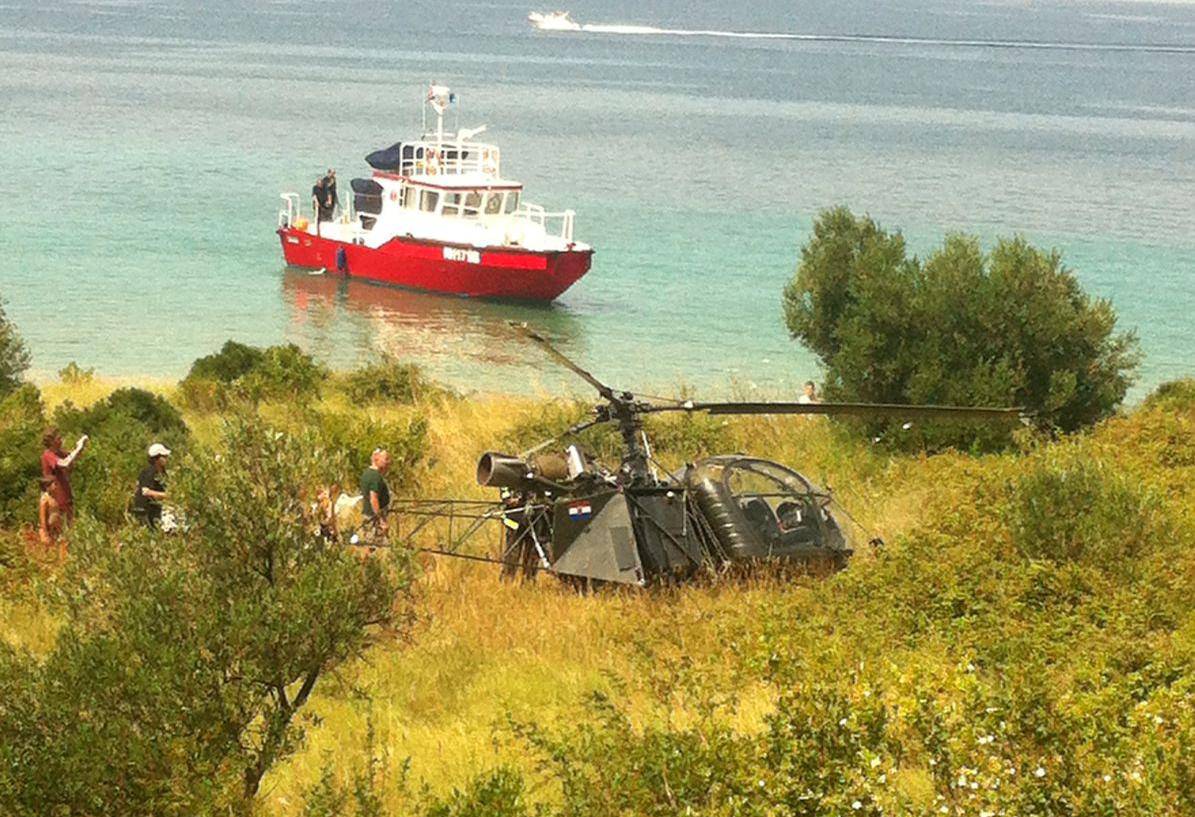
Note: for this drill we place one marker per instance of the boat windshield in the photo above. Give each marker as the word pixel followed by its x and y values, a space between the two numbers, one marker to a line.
pixel 476 203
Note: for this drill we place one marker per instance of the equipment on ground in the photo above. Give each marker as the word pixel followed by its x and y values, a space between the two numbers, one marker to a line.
pixel 634 523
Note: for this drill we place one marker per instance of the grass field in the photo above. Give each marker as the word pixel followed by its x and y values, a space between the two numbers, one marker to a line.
pixel 1003 579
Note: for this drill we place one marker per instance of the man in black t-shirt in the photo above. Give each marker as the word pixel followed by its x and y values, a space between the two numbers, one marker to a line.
pixel 319 202
pixel 147 501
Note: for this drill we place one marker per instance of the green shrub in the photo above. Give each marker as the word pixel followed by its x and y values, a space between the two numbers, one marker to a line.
pixel 285 372
pixel 121 428
pixel 14 355
pixel 240 373
pixel 348 438
pixel 387 380
pixel 1175 395
pixel 184 663
pixel 1010 327
pixel 232 362
pixel 22 421
pixel 72 374
pixel 1085 511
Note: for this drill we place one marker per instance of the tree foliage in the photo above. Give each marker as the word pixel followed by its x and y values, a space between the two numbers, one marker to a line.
pixel 184 662
pixel 14 355
pixel 388 380
pixel 22 420
pixel 1008 327
pixel 248 374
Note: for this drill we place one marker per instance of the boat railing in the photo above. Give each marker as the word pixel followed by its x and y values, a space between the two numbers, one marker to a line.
pixel 561 221
pixel 289 211
pixel 447 158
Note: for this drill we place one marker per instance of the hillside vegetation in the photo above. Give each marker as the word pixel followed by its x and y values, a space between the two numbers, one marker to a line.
pixel 1023 643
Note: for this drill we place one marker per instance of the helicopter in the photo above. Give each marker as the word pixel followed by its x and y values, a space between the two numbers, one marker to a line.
pixel 566 514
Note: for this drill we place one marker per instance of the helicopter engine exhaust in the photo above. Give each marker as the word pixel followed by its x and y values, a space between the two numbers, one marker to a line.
pixel 496 470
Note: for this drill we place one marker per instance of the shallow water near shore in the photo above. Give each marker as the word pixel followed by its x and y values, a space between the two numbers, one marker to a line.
pixel 145 144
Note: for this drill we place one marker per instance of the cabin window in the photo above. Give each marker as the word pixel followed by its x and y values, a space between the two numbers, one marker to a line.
pixel 452 204
pixel 493 204
pixel 408 198
pixel 430 199
pixel 512 201
pixel 472 207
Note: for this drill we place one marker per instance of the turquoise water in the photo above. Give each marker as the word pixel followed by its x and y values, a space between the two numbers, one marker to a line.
pixel 145 144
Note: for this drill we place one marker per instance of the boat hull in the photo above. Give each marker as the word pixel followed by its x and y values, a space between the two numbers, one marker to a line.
pixel 499 272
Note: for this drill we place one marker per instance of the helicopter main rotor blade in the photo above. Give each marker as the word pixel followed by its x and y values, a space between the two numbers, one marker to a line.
pixel 854 409
pixel 529 333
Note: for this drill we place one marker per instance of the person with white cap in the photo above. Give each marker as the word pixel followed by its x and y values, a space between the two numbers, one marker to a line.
pixel 147 502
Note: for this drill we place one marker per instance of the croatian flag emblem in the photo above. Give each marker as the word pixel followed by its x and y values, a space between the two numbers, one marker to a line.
pixel 578 511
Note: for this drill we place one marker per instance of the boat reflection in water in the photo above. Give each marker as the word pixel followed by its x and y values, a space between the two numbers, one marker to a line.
pixel 463 342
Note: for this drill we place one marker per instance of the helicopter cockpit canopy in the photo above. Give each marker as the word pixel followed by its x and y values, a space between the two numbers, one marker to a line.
pixel 759 509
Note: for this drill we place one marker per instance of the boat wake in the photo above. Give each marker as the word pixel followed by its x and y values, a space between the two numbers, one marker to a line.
pixel 561 21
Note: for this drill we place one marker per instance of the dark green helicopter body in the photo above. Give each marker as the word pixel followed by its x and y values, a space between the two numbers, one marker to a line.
pixel 568 515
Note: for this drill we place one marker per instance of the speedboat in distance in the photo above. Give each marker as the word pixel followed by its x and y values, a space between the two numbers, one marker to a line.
pixel 436 214
pixel 553 21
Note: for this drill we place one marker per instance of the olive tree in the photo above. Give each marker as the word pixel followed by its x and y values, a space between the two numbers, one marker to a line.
pixel 1011 326
pixel 185 661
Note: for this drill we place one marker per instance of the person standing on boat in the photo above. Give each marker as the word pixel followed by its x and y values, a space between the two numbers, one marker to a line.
pixel 809 395
pixel 333 199
pixel 319 202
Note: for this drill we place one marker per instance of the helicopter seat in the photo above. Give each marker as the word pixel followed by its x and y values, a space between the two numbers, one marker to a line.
pixel 760 515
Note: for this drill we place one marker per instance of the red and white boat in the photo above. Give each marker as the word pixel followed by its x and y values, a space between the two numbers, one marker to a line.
pixel 438 215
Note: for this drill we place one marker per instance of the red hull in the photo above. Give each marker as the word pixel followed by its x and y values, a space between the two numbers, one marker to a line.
pixel 437 267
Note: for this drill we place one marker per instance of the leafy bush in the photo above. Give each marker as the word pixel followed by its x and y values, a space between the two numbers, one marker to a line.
pixel 246 373
pixel 388 380
pixel 22 422
pixel 1010 327
pixel 184 662
pixel 14 355
pixel 285 372
pixel 349 438
pixel 1176 395
pixel 1083 510
pixel 232 362
pixel 121 428
pixel 72 374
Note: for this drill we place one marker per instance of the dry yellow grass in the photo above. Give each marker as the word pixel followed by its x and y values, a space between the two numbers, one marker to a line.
pixel 84 392
pixel 485 650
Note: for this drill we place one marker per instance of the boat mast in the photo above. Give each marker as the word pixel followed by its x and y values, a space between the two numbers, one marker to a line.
pixel 439 97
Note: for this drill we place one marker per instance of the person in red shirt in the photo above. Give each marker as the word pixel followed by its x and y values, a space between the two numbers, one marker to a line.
pixel 56 466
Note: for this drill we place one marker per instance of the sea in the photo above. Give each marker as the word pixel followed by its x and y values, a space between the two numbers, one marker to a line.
pixel 144 145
